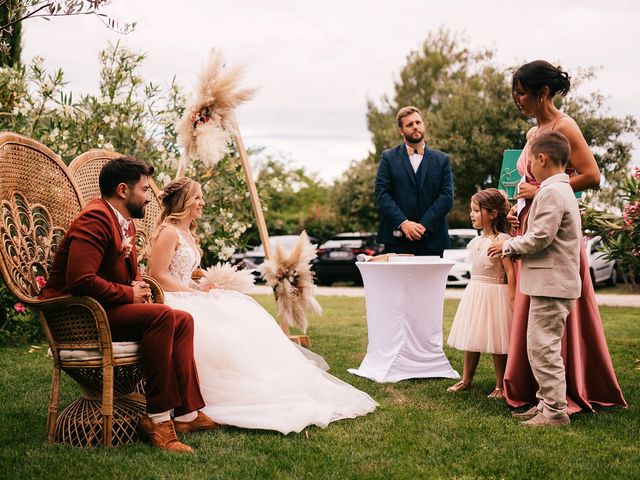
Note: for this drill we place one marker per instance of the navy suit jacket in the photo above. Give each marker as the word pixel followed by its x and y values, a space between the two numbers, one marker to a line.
pixel 425 198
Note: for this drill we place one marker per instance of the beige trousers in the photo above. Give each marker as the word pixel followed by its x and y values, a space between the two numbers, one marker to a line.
pixel 547 318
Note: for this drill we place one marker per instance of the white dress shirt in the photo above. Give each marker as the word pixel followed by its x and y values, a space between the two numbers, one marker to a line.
pixel 415 158
pixel 124 223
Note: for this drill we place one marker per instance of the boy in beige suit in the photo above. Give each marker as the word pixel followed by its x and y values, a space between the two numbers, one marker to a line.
pixel 549 273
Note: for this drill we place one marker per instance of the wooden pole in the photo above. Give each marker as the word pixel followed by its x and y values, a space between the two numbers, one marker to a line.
pixel 253 192
pixel 255 202
pixel 182 166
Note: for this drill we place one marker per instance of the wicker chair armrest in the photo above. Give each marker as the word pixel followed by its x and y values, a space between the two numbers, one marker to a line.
pixel 157 294
pixel 69 300
pixel 75 322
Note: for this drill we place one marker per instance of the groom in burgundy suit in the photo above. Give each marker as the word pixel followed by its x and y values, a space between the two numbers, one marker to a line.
pixel 97 258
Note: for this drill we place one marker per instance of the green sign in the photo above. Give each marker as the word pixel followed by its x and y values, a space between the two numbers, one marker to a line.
pixel 509 176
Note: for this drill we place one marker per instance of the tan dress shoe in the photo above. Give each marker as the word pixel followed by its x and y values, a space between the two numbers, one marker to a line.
pixel 541 421
pixel 528 415
pixel 201 422
pixel 162 435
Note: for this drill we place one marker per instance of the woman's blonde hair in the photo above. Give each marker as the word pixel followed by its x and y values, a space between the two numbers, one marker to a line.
pixel 177 199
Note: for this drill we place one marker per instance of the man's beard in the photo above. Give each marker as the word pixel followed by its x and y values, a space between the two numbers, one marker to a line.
pixel 409 139
pixel 136 210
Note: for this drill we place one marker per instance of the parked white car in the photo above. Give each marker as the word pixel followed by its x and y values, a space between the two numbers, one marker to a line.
pixel 601 269
pixel 460 273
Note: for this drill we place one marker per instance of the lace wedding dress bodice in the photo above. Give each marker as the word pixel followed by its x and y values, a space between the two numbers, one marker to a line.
pixel 184 261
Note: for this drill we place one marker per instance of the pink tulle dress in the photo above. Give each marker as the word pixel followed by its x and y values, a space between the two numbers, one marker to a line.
pixel 483 320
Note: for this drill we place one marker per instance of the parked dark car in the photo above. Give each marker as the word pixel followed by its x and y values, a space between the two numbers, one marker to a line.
pixel 336 259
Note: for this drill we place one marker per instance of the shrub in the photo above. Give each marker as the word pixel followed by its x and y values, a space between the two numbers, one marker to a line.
pixel 620 233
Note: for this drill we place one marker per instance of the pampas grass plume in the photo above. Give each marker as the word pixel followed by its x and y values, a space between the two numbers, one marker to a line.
pixel 226 277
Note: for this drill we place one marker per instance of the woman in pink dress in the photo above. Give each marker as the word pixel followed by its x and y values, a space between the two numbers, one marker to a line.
pixel 591 379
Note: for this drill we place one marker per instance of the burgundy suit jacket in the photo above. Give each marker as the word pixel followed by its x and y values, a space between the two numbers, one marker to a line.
pixel 89 260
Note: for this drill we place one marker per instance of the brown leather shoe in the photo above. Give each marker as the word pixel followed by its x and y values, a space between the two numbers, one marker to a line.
pixel 528 415
pixel 201 422
pixel 541 421
pixel 162 435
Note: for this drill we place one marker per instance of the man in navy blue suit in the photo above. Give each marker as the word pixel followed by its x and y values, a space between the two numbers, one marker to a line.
pixel 414 192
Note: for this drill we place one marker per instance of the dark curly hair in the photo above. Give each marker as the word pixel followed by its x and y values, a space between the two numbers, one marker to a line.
pixel 122 170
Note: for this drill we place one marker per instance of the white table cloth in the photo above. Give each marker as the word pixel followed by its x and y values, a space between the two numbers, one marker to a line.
pixel 405 300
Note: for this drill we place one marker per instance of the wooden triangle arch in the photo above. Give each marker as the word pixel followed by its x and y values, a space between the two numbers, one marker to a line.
pixel 256 205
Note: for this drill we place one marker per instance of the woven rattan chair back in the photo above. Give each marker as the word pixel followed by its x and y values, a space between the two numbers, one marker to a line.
pixel 39 202
pixel 39 199
pixel 85 170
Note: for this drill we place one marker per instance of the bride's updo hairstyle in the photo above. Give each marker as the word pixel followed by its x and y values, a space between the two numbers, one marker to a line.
pixel 536 75
pixel 177 198
pixel 493 199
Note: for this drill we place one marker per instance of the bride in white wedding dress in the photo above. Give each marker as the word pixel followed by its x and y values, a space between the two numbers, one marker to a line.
pixel 251 375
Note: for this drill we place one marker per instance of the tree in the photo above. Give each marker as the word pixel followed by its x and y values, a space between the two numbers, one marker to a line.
pixel 605 135
pixel 296 201
pixel 10 55
pixel 354 197
pixel 14 12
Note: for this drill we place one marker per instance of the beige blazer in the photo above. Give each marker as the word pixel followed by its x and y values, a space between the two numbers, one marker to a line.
pixel 550 248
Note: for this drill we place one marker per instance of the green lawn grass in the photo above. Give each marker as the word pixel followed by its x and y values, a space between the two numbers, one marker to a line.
pixel 419 430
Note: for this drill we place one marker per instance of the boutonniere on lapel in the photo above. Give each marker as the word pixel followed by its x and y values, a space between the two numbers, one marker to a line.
pixel 126 246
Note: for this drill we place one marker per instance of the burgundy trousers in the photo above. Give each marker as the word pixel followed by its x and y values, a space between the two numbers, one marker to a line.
pixel 166 350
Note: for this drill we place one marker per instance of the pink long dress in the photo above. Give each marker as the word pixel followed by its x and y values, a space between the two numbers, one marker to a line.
pixel 591 379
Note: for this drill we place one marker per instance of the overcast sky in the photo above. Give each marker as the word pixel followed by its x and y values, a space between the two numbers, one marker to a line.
pixel 316 62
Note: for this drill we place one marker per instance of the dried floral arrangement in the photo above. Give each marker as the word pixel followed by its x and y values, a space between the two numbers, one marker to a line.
pixel 227 277
pixel 206 127
pixel 290 276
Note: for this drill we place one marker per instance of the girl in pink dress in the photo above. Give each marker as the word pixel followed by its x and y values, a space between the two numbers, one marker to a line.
pixel 483 320
pixel 591 379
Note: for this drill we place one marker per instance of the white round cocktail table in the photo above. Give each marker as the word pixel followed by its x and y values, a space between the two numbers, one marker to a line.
pixel 404 301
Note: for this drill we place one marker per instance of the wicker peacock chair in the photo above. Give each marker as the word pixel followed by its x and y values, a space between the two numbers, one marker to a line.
pixel 85 170
pixel 39 200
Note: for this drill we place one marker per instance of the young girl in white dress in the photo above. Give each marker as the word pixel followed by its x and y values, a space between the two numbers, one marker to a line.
pixel 251 375
pixel 483 320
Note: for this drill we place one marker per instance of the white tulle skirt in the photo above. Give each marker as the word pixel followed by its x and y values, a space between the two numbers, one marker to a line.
pixel 483 320
pixel 252 376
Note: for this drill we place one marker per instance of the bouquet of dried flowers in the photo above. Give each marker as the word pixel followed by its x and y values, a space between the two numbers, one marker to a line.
pixel 205 129
pixel 126 247
pixel 290 276
pixel 227 277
